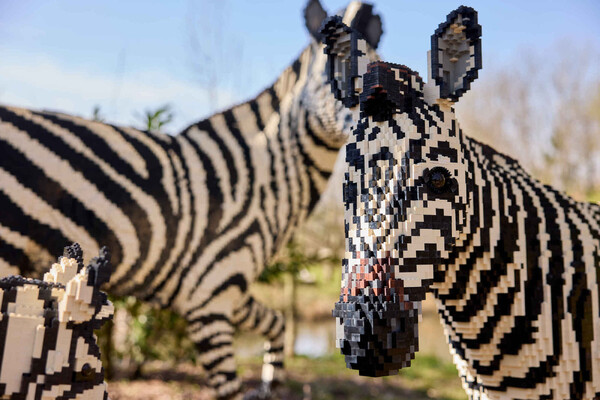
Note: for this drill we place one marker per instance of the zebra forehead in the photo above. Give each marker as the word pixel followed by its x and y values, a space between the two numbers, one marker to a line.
pixel 419 149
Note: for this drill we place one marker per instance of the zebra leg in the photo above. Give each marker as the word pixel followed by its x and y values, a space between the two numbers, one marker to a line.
pixel 213 336
pixel 254 316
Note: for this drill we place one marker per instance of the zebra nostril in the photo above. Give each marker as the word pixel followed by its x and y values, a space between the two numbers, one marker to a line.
pixel 378 88
pixel 377 94
pixel 377 104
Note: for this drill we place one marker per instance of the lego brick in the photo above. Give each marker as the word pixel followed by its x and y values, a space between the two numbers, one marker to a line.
pixel 513 263
pixel 47 342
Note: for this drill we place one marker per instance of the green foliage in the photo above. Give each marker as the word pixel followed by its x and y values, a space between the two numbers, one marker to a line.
pixel 594 196
pixel 292 259
pixel 328 378
pixel 97 114
pixel 155 120
pixel 427 374
pixel 429 369
pixel 150 334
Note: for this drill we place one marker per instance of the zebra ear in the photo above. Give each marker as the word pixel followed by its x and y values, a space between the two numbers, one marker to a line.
pixel 82 299
pixel 67 266
pixel 99 270
pixel 368 24
pixel 314 14
pixel 455 55
pixel 346 59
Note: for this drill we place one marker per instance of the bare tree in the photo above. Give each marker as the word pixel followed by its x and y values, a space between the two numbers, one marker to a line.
pixel 592 145
pixel 537 108
pixel 215 54
pixel 118 81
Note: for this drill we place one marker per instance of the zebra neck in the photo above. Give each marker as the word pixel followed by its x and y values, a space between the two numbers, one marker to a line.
pixel 486 269
pixel 255 162
pixel 508 296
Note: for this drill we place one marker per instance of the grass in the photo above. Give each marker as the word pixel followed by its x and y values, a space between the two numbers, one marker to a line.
pixel 322 378
pixel 431 375
pixel 438 378
pixel 316 299
pixel 328 378
pixel 594 197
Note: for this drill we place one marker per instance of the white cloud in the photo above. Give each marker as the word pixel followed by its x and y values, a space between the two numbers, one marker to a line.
pixel 42 83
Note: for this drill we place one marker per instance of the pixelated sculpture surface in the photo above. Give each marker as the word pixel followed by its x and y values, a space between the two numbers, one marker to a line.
pixel 48 348
pixel 192 218
pixel 514 265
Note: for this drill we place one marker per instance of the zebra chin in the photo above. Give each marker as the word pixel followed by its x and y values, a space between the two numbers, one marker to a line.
pixel 378 335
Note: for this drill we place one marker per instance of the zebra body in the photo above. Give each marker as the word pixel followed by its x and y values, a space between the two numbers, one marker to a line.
pixel 190 219
pixel 523 318
pixel 514 265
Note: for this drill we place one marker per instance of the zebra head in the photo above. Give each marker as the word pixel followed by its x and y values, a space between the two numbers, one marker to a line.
pixel 48 348
pixel 406 190
pixel 327 117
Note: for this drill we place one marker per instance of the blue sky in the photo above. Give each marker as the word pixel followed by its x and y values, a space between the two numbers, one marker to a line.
pixel 129 56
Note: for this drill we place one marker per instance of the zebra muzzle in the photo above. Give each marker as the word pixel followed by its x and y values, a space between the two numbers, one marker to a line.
pixel 377 336
pixel 377 320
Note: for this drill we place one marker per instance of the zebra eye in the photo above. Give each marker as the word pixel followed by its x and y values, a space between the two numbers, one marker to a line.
pixel 86 373
pixel 439 181
pixel 86 370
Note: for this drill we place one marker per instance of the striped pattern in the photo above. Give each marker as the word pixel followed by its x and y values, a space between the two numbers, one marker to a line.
pixel 518 296
pixel 514 265
pixel 48 349
pixel 190 219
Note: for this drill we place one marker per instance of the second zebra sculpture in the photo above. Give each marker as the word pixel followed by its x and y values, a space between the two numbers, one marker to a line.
pixel 190 219
pixel 514 265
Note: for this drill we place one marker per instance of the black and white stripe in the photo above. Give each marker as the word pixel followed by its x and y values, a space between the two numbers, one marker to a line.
pixel 48 349
pixel 519 294
pixel 190 219
pixel 514 265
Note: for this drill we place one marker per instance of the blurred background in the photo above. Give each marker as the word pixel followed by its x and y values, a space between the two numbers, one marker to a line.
pixel 165 65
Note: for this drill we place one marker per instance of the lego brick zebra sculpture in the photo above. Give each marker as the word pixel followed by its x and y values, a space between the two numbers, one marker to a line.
pixel 190 219
pixel 47 345
pixel 514 265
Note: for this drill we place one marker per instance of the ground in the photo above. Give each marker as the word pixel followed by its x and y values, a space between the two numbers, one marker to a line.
pixel 324 377
pixel 318 379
